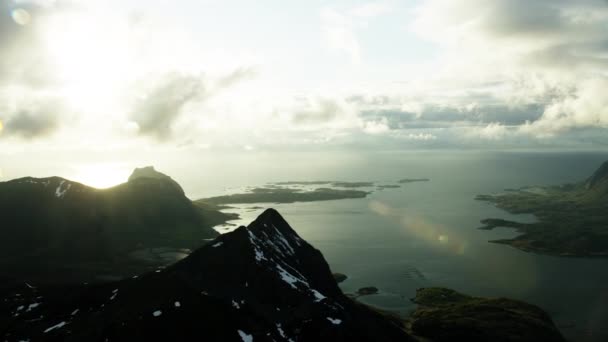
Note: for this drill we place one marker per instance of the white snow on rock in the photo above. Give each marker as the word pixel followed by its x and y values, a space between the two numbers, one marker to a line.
pixel 177 304
pixel 289 278
pixel 283 241
pixel 20 307
pixel 75 312
pixel 245 337
pixel 282 333
pixel 56 326
pixel 61 191
pixel 217 244
pixel 157 313
pixel 114 294
pixel 318 296
pixel 235 304
pixel 33 306
pixel 259 256
pixel 335 321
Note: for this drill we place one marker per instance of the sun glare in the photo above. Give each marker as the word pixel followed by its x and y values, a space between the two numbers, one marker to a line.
pixel 91 60
pixel 102 175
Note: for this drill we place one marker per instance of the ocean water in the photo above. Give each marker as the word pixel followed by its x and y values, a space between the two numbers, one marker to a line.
pixel 424 234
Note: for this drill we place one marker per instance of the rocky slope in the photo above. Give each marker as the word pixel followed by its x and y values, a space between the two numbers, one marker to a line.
pixel 258 283
pixel 53 227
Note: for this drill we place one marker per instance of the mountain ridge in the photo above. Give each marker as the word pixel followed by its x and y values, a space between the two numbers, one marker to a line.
pixel 53 222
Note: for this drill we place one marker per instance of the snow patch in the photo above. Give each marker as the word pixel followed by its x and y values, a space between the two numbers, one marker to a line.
pixel 288 277
pixel 157 313
pixel 245 337
pixel 217 244
pixel 177 304
pixel 235 304
pixel 56 326
pixel 318 296
pixel 33 306
pixel 60 191
pixel 75 312
pixel 335 321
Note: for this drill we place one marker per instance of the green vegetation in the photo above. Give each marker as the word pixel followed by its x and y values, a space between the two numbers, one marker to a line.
pixel 572 218
pixel 446 315
pixel 283 195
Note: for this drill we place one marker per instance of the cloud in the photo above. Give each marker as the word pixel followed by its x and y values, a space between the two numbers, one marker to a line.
pixel 318 112
pixel 158 108
pixel 548 56
pixel 25 59
pixel 340 27
pixel 33 119
pixel 586 108
pixel 375 127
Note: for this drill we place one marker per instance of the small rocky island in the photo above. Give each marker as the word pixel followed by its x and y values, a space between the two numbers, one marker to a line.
pixel 446 315
pixel 572 218
pixel 413 180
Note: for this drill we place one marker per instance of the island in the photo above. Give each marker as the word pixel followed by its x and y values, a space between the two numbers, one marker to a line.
pixel 336 184
pixel 572 218
pixel 446 315
pixel 388 186
pixel 284 195
pixel 413 180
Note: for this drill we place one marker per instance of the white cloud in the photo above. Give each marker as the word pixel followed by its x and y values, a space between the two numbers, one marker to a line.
pixel 421 136
pixel 545 52
pixel 375 127
pixel 340 27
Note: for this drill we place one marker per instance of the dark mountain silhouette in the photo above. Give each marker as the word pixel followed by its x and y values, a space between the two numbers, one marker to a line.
pixel 53 227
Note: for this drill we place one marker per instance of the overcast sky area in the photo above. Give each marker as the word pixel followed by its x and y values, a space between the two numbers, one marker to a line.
pixel 126 82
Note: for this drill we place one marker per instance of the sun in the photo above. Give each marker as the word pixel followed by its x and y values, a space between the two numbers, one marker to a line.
pixel 102 176
pixel 89 56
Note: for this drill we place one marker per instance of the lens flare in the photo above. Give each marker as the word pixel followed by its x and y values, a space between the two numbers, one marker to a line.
pixel 1 126
pixel 21 16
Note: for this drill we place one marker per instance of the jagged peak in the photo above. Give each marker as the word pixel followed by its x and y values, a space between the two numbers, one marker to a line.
pixel 149 172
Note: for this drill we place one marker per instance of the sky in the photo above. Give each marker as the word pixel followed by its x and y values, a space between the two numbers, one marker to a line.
pixel 91 89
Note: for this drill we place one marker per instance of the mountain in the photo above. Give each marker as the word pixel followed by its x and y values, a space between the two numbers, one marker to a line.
pixel 598 182
pixel 258 283
pixel 54 227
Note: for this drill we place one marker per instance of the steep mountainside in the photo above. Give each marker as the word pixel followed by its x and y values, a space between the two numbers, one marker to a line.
pixel 257 283
pixel 55 225
pixel 598 182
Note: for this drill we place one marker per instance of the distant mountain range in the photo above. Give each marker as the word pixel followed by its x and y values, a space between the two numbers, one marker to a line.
pixel 258 283
pixel 57 229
